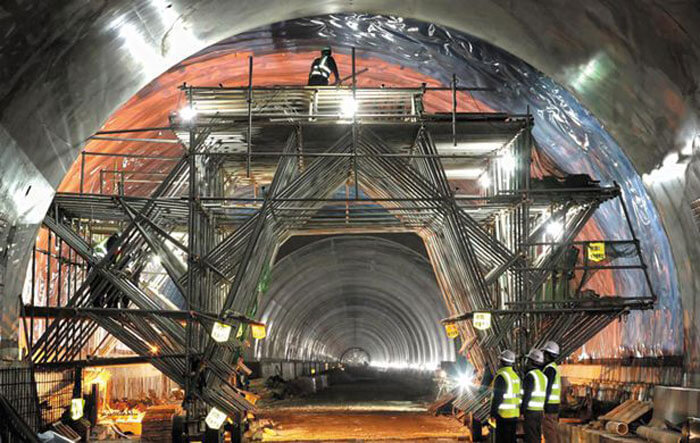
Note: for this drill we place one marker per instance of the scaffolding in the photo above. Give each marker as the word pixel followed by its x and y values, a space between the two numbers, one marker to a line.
pixel 261 164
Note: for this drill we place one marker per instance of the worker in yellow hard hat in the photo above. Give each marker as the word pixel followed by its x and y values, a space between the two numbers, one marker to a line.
pixel 505 399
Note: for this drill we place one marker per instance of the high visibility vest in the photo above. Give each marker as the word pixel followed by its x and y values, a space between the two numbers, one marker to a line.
pixel 322 68
pixel 555 393
pixel 510 407
pixel 539 391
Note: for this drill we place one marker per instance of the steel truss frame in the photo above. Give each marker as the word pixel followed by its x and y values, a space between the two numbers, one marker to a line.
pixel 484 248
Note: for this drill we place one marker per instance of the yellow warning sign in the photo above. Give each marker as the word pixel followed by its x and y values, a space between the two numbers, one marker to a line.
pixel 451 330
pixel 596 251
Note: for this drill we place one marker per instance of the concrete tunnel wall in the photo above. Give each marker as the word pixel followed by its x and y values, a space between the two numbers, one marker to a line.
pixel 344 292
pixel 66 69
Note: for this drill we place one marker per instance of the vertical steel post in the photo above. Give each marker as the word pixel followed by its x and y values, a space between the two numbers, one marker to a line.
pixel 354 126
pixel 60 272
pixel 636 242
pixel 300 149
pixel 48 277
pixel 31 331
pixel 250 113
pixel 526 163
pixel 82 171
pixel 454 110
pixel 189 406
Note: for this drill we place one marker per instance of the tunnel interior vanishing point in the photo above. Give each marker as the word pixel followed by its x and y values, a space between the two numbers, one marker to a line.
pixel 175 198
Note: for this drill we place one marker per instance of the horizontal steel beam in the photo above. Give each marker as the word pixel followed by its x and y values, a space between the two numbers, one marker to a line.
pixel 115 361
pixel 130 139
pixel 81 313
pixel 605 308
pixel 219 89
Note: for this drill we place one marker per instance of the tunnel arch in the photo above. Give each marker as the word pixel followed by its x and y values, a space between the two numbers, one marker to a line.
pixel 520 29
pixel 354 291
pixel 355 354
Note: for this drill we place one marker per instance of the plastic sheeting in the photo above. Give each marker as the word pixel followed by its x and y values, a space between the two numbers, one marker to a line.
pixel 399 51
pixel 565 131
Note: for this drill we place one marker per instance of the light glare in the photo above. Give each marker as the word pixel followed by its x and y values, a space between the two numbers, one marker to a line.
pixel 485 181
pixel 464 381
pixel 348 107
pixel 555 228
pixel 508 161
pixel 188 113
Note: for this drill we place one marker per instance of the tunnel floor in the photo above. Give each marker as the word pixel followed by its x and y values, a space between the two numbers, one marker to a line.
pixel 367 407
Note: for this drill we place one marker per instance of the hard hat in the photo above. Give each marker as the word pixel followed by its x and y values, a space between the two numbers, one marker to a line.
pixel 536 356
pixel 507 356
pixel 551 347
pixel 326 50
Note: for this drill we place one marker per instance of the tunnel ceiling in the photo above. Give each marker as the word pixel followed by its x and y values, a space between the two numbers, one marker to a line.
pixel 343 292
pixel 633 66
pixel 404 52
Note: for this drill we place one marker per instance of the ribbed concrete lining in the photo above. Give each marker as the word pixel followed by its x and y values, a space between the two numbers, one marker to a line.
pixel 65 67
pixel 354 291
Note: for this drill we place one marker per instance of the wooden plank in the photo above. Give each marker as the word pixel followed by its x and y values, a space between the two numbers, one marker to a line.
pixel 637 412
pixel 617 411
pixel 628 411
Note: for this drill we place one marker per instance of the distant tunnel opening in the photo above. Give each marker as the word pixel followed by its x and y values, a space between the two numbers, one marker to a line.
pixel 333 293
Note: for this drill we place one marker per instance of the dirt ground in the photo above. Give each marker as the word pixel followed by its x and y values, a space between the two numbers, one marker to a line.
pixel 367 426
pixel 361 408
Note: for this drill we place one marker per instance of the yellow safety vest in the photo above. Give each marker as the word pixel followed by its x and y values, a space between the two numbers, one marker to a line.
pixel 510 407
pixel 539 391
pixel 555 393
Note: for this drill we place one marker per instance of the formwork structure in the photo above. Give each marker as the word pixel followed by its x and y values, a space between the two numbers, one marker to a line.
pixel 262 164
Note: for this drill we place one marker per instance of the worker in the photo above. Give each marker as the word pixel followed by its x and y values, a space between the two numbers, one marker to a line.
pixel 553 394
pixel 322 68
pixel 534 391
pixel 505 399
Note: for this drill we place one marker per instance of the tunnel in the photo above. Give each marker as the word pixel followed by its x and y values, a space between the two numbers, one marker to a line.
pixel 350 251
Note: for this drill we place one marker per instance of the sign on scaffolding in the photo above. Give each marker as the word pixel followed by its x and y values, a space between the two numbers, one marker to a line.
pixel 451 330
pixel 596 251
pixel 482 320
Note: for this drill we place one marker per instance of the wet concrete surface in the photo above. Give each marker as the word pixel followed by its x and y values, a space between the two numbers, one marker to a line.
pixel 362 408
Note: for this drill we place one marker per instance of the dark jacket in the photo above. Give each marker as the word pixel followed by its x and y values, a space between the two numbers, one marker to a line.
pixel 329 64
pixel 550 373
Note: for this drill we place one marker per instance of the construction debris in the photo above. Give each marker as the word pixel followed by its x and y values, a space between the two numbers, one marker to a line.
pixel 659 435
pixel 620 419
pixel 277 388
pixel 157 423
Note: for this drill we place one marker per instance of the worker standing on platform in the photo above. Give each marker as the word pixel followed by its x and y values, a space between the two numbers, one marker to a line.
pixel 505 399
pixel 322 68
pixel 534 391
pixel 553 395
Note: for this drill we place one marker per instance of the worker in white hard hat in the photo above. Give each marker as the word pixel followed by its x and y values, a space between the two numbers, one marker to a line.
pixel 505 399
pixel 550 422
pixel 534 391
pixel 322 68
